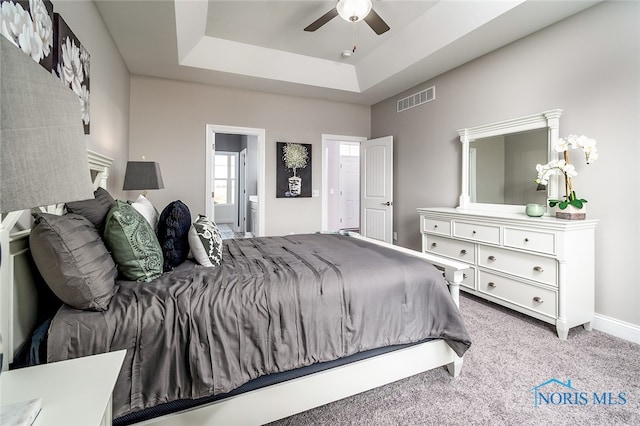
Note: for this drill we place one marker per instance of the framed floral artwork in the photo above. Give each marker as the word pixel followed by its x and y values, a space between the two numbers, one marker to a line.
pixel 71 65
pixel 32 26
pixel 293 174
pixel 29 25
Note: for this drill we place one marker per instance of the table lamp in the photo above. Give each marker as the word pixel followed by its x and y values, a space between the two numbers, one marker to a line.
pixel 43 153
pixel 142 175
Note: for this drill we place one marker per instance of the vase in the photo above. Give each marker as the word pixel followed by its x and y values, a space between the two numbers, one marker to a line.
pixel 571 213
pixel 534 210
pixel 295 184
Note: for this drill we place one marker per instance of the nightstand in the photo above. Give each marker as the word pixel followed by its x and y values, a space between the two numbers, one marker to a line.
pixel 73 392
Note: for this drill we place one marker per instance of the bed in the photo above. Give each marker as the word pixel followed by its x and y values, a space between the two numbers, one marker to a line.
pixel 306 319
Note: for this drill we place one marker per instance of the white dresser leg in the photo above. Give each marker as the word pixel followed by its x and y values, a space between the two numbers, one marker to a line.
pixel 587 326
pixel 562 331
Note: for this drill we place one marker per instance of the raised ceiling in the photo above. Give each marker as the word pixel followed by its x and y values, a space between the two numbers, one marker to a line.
pixel 261 45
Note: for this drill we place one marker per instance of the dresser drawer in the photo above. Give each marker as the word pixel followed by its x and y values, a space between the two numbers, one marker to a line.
pixel 471 231
pixel 543 242
pixel 522 294
pixel 469 279
pixel 459 250
pixel 530 266
pixel 436 226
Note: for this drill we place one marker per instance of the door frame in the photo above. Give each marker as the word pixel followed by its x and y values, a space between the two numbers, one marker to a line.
pixel 210 139
pixel 326 139
pixel 241 224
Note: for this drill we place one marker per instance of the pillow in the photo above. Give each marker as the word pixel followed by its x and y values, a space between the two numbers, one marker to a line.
pixel 205 242
pixel 173 233
pixel 133 243
pixel 147 210
pixel 94 209
pixel 73 260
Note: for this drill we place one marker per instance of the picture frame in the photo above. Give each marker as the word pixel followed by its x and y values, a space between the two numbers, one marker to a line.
pixel 71 65
pixel 293 170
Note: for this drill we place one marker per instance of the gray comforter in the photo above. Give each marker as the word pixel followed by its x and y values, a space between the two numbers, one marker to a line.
pixel 275 304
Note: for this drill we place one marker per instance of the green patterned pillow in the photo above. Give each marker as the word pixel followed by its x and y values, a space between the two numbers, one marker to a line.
pixel 133 244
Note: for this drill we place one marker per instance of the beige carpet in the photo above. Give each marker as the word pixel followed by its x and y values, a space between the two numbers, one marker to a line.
pixel 511 354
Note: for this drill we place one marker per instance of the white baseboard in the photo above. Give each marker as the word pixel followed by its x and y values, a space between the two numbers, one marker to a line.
pixel 624 330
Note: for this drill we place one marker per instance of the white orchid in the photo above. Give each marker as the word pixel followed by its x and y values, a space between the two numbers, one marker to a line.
pixel 564 167
pixel 587 145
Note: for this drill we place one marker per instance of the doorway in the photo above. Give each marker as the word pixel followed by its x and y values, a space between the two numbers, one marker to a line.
pixel 247 145
pixel 341 182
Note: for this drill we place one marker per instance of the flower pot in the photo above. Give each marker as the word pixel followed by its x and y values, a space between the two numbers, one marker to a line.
pixel 571 213
pixel 295 185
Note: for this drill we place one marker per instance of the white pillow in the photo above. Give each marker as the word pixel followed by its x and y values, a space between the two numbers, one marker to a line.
pixel 147 210
pixel 205 242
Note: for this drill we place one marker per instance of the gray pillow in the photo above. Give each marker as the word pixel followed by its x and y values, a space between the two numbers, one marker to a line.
pixel 94 209
pixel 73 260
pixel 133 244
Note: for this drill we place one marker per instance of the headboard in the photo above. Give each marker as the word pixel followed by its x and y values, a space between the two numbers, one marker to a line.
pixel 18 293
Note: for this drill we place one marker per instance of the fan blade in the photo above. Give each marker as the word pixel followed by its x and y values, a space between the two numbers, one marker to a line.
pixel 322 20
pixel 376 23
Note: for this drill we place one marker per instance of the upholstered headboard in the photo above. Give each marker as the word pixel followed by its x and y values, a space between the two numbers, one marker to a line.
pixel 18 293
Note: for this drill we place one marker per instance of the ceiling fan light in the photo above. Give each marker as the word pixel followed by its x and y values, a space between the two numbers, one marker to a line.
pixel 353 10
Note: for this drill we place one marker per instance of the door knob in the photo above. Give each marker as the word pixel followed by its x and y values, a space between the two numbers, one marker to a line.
pixel 386 204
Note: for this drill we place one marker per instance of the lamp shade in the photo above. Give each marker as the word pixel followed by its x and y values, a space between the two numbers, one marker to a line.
pixel 353 10
pixel 142 175
pixel 43 153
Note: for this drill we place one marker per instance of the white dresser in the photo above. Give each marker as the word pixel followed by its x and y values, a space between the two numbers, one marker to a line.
pixel 542 267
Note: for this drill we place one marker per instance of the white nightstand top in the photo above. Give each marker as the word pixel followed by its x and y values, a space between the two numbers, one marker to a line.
pixel 73 392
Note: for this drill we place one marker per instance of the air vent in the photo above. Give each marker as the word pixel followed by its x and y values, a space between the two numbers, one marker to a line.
pixel 416 99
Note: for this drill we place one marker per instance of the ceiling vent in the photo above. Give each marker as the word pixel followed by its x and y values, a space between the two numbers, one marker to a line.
pixel 416 99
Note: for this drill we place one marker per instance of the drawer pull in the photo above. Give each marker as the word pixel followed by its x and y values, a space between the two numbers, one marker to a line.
pixel 464 276
pixel 538 299
pixel 492 284
pixel 435 226
pixel 526 240
pixel 473 232
pixel 434 245
pixel 538 269
pixel 492 258
pixel 463 251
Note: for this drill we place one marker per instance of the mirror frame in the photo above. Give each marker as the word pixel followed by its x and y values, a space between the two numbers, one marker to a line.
pixel 547 119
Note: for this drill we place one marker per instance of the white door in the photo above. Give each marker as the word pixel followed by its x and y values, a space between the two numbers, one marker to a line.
pixel 350 191
pixel 376 192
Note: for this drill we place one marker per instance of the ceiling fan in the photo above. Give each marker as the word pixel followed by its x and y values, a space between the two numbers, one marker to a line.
pixel 352 11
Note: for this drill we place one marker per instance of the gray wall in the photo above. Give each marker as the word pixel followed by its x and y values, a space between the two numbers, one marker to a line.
pixel 588 65
pixel 109 95
pixel 168 120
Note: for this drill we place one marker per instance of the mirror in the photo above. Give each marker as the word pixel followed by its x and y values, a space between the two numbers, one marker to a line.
pixel 499 161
